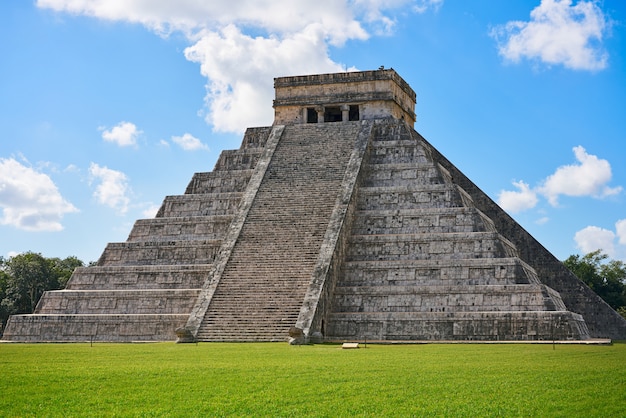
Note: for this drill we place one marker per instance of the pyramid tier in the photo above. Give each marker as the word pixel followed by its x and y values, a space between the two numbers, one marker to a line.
pixel 159 253
pixel 450 298
pixel 181 276
pixel 81 327
pixel 482 272
pixel 455 326
pixel 89 302
pixel 215 204
pixel 180 228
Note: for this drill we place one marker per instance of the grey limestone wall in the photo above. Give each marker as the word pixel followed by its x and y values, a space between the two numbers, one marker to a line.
pixel 219 181
pixel 422 262
pixel 159 253
pixel 458 326
pixel 318 298
pixel 80 328
pixel 138 277
pixel 601 319
pixel 143 289
pixel 91 302
pixel 199 205
pixel 453 272
pixel 180 228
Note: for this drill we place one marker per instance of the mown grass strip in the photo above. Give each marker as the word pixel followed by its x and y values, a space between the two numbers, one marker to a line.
pixel 217 379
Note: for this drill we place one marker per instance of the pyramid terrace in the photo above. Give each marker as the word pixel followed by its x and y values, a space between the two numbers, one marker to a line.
pixel 337 223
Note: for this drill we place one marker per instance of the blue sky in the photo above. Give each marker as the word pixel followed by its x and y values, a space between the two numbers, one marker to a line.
pixel 107 107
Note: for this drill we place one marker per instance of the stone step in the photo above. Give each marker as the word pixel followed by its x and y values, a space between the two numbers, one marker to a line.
pixel 260 314
pixel 442 326
pixel 480 271
pixel 80 328
pixel 431 246
pixel 394 152
pixel 180 228
pixel 399 174
pixel 282 307
pixel 283 233
pixel 229 338
pixel 286 292
pixel 241 159
pixel 219 182
pixel 212 204
pixel 269 328
pixel 278 273
pixel 233 335
pixel 412 197
pixel 392 132
pixel 91 302
pixel 405 141
pixel 256 137
pixel 424 220
pixel 159 253
pixel 139 277
pixel 265 323
pixel 463 298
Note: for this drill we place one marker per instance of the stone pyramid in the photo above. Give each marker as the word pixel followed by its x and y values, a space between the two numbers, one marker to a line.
pixel 338 223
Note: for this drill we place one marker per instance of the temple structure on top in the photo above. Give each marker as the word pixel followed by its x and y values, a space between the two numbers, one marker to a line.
pixel 337 223
pixel 343 97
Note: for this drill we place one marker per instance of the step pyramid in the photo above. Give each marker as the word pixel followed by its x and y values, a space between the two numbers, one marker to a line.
pixel 144 289
pixel 338 223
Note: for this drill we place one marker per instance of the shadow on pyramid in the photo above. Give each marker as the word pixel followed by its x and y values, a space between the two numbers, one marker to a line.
pixel 337 223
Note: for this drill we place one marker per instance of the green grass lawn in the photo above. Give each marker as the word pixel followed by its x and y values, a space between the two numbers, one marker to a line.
pixel 271 379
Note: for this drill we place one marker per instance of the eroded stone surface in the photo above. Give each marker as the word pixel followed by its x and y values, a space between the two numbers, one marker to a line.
pixel 337 223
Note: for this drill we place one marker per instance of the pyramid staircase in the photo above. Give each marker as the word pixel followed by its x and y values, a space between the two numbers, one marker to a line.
pixel 143 289
pixel 262 287
pixel 323 227
pixel 424 263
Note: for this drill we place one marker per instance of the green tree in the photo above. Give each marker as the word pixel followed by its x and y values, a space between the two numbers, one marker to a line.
pixel 24 278
pixel 63 268
pixel 29 275
pixel 605 277
pixel 4 277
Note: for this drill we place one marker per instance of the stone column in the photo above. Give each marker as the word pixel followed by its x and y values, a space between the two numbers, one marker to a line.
pixel 345 113
pixel 320 114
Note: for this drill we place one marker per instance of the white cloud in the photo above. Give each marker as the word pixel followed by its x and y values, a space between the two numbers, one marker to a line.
pixel 29 199
pixel 151 211
pixel 71 169
pixel 112 189
pixel 241 70
pixel 620 228
pixel 277 16
pixel 611 243
pixel 123 134
pixel 422 6
pixel 558 33
pixel 517 201
pixel 290 38
pixel 588 178
pixel 189 143
pixel 594 238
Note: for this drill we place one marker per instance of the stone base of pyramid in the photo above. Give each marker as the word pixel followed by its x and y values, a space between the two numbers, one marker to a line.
pixel 458 326
pixel 338 223
pixel 82 328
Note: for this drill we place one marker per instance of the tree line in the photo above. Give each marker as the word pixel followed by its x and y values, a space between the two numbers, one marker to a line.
pixel 605 277
pixel 24 278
